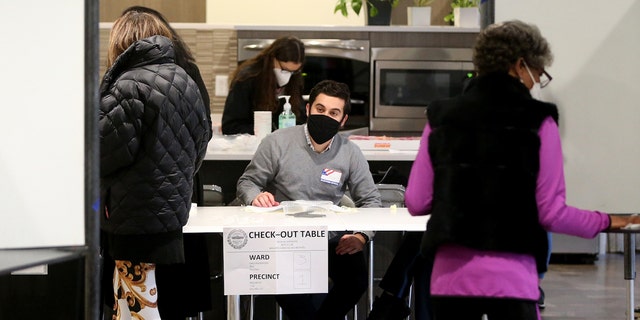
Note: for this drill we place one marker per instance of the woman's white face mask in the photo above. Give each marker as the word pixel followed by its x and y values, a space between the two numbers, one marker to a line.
pixel 282 76
pixel 536 89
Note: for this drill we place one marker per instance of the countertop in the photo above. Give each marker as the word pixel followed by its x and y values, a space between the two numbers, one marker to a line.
pixel 392 28
pixel 383 155
pixel 242 148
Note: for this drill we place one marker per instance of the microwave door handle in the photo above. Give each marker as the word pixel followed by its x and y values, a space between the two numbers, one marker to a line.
pixel 254 47
pixel 260 47
pixel 333 46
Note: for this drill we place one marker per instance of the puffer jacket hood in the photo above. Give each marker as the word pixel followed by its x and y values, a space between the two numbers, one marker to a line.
pixel 153 137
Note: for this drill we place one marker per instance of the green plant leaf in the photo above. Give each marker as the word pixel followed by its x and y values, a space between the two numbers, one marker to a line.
pixel 356 5
pixel 341 6
pixel 422 3
pixel 449 17
pixel 344 12
pixel 373 11
pixel 464 3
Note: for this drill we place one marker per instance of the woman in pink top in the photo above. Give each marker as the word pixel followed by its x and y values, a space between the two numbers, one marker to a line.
pixel 489 172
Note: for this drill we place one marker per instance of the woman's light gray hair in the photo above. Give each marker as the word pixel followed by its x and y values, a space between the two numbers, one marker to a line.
pixel 500 45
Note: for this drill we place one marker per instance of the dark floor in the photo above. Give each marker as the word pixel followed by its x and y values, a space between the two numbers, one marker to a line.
pixel 592 291
pixel 576 289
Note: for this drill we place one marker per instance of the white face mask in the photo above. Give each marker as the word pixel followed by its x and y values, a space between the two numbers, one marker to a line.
pixel 282 76
pixel 536 90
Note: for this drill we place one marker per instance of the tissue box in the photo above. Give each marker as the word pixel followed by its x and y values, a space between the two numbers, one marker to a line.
pixel 386 143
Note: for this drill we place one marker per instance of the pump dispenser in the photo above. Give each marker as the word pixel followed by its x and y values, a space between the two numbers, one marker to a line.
pixel 286 118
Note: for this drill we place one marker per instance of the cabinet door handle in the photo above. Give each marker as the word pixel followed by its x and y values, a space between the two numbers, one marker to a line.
pixel 311 44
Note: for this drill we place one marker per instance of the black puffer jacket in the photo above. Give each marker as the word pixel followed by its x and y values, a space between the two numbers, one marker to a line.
pixel 153 137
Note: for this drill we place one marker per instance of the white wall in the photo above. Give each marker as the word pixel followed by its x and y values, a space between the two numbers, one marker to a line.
pixel 42 123
pixel 279 13
pixel 596 86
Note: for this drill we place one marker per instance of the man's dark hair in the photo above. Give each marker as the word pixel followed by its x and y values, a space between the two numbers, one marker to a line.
pixel 332 89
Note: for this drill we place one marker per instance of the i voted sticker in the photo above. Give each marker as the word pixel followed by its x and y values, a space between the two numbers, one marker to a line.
pixel 331 176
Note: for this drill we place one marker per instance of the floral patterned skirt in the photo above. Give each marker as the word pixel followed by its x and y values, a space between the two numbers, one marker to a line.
pixel 135 291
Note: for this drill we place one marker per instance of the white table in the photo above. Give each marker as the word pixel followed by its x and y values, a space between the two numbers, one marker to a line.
pixel 214 219
pixel 629 268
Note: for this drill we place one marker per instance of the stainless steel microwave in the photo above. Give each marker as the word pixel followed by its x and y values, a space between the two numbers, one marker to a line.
pixel 405 80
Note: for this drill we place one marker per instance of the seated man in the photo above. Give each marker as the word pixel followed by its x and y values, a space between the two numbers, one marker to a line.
pixel 313 162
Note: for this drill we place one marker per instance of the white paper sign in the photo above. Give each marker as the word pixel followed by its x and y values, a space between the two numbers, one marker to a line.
pixel 275 260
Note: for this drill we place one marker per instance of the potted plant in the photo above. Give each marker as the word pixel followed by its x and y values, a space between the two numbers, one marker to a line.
pixel 379 10
pixel 465 14
pixel 420 13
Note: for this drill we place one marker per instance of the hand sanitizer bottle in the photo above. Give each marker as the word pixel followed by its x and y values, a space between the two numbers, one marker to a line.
pixel 286 118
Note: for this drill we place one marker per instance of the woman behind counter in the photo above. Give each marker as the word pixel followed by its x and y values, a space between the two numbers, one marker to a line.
pixel 257 83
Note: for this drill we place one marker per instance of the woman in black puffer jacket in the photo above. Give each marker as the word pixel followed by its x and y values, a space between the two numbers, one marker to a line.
pixel 153 137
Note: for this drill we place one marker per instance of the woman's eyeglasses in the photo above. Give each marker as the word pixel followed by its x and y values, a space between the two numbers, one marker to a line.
pixel 285 70
pixel 545 78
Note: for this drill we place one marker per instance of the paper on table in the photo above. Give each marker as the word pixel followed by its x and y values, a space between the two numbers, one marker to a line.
pixel 631 226
pixel 309 205
pixel 401 151
pixel 300 205
pixel 307 214
pixel 262 209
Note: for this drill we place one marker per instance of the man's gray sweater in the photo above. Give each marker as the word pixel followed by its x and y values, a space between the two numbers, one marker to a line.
pixel 285 165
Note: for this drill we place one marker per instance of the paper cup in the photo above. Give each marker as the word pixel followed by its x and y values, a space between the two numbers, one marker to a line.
pixel 261 124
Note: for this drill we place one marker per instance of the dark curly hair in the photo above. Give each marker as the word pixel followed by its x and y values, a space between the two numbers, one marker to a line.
pixel 333 89
pixel 500 45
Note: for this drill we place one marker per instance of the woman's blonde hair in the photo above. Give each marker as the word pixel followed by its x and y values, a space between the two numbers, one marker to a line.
pixel 131 27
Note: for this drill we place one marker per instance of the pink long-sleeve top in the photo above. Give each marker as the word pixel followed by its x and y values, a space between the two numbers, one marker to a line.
pixel 462 271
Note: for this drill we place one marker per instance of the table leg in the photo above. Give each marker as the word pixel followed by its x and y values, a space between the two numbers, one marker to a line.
pixel 233 307
pixel 279 312
pixel 371 275
pixel 630 271
pixel 252 306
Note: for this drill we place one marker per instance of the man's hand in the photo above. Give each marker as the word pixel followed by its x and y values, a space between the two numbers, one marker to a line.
pixel 350 244
pixel 264 199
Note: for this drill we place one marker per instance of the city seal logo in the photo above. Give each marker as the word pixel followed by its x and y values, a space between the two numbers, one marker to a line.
pixel 237 238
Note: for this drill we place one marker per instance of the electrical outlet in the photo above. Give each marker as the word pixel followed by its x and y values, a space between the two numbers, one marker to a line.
pixel 222 86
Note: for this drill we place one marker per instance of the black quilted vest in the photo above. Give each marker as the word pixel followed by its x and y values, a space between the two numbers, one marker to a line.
pixel 484 147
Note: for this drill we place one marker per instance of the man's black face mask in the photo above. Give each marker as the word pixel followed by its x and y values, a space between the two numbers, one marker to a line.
pixel 322 128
